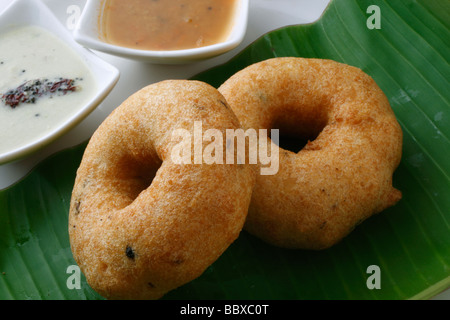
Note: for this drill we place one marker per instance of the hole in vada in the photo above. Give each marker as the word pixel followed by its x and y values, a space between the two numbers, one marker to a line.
pixel 143 179
pixel 291 142
pixel 296 130
pixel 136 175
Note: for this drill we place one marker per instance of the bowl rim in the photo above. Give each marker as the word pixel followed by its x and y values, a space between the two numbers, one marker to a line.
pixel 35 13
pixel 86 33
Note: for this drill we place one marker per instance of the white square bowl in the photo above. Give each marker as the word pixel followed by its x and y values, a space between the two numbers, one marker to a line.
pixel 35 13
pixel 88 34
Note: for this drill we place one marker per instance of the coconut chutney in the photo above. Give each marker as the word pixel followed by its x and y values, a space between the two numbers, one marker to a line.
pixel 43 83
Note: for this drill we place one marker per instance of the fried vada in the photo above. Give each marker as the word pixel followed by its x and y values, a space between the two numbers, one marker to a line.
pixel 343 175
pixel 141 224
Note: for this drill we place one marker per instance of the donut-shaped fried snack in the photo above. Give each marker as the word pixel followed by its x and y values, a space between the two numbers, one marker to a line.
pixel 141 224
pixel 343 175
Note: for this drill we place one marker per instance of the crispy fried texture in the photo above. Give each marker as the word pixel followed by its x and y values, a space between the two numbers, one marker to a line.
pixel 138 238
pixel 338 179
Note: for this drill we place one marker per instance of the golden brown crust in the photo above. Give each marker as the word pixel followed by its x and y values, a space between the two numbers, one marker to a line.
pixel 337 180
pixel 134 241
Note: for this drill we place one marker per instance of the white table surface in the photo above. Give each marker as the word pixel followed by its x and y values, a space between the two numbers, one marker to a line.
pixel 264 16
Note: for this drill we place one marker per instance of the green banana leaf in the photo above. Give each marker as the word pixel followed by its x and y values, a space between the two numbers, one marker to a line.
pixel 410 243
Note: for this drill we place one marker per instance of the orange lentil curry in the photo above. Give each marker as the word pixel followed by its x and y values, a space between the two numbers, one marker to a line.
pixel 166 24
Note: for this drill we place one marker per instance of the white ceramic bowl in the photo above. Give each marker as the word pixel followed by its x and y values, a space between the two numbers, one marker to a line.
pixel 87 33
pixel 34 12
